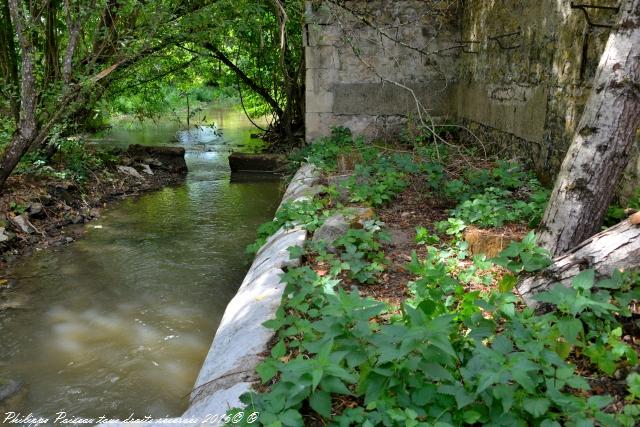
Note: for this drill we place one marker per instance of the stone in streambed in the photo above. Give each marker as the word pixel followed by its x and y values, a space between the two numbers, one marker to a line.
pixel 243 162
pixel 12 395
pixel 146 169
pixel 6 236
pixel 166 158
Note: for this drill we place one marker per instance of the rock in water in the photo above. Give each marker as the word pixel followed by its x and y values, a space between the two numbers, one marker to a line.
pixel 146 169
pixel 4 235
pixel 9 388
pixel 165 158
pixel 243 162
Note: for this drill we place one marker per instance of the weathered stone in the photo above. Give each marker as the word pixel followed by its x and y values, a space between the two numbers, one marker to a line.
pixel 243 162
pixel 10 388
pixel 146 169
pixel 358 216
pixel 12 395
pixel 128 170
pixel 166 158
pixel 241 338
pixel 36 210
pixel 21 223
pixel 6 236
pixel 333 228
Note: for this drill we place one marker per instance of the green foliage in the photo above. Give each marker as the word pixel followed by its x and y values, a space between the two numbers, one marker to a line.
pixel 359 253
pixel 324 152
pixel 17 208
pixel 74 160
pixel 452 226
pixel 305 213
pixel 447 355
pixel 524 256
pixel 491 198
pixel 375 184
pixel 424 237
pixel 448 358
pixel 616 213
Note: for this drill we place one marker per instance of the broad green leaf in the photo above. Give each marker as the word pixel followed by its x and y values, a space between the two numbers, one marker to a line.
pixel 584 280
pixel 536 406
pixel 279 350
pixel 570 329
pixel 320 401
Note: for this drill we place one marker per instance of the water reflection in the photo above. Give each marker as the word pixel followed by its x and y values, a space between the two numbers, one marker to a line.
pixel 120 321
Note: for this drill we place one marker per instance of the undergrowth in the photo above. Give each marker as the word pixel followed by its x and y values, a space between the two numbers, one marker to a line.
pixel 448 355
pixel 73 160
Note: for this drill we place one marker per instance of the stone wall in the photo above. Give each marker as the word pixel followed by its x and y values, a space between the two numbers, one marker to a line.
pixel 358 63
pixel 517 72
pixel 533 70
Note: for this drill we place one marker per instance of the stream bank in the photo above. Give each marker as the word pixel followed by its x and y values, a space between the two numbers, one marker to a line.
pixel 119 322
pixel 40 210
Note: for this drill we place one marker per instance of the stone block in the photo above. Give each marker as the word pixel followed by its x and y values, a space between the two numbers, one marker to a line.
pixel 324 35
pixel 389 99
pixel 321 102
pixel 492 241
pixel 322 57
pixel 319 80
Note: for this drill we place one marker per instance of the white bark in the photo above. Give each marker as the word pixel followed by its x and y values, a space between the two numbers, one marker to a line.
pixel 600 148
pixel 617 248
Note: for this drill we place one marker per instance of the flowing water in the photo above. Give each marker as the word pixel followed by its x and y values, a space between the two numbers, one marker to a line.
pixel 120 321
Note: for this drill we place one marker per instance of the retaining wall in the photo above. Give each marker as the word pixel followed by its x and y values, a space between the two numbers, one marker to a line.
pixel 516 72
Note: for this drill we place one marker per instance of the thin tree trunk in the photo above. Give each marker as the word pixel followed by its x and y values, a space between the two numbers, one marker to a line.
pixel 27 126
pixel 264 93
pixel 9 61
pixel 604 137
pixel 617 248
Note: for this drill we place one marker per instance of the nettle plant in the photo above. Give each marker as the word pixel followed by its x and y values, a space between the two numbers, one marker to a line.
pixel 491 198
pixel 309 214
pixel 358 253
pixel 447 357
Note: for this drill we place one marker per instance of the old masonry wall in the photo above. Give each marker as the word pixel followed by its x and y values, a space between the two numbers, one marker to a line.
pixel 517 73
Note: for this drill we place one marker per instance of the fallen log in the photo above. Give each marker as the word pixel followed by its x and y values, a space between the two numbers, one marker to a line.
pixel 616 248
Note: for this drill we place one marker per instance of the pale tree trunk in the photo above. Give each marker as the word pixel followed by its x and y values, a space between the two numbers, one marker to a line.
pixel 617 248
pixel 600 148
pixel 27 127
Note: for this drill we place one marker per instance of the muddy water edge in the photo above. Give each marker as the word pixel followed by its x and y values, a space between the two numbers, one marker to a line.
pixel 119 322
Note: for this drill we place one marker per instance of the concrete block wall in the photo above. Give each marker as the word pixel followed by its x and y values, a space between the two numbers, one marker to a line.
pixel 517 72
pixel 355 71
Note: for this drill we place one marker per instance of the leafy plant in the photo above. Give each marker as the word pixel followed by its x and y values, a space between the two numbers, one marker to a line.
pixel 306 213
pixel 524 256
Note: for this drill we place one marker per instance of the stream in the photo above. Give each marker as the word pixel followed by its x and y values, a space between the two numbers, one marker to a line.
pixel 120 321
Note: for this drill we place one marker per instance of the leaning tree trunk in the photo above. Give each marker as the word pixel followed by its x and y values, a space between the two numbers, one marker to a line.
pixel 617 248
pixel 600 148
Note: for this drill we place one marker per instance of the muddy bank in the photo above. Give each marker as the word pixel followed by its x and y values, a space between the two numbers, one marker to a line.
pixel 39 211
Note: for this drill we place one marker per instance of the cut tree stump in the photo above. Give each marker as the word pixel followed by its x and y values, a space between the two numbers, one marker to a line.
pixel 617 248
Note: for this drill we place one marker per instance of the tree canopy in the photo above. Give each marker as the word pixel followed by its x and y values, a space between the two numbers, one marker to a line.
pixel 59 59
